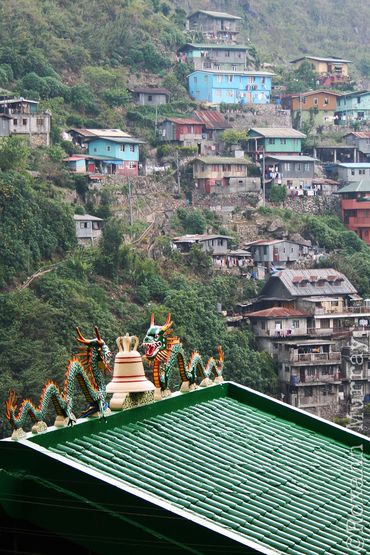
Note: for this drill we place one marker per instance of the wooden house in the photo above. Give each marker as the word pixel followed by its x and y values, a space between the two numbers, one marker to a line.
pixel 184 131
pixel 232 57
pixel 317 107
pixel 222 173
pixel 353 107
pixel 295 172
pixel 150 96
pixel 214 25
pixel 330 71
pixel 361 141
pixel 275 140
pixel 88 229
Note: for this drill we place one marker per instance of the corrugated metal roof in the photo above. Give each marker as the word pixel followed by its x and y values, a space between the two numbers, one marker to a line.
pixel 305 287
pixel 183 121
pixel 199 237
pixel 311 93
pixel 292 158
pixel 212 119
pixel 150 90
pixel 248 73
pixel 359 134
pixel 319 59
pixel 222 15
pixel 222 160
pixel 120 140
pixel 100 132
pixel 86 218
pixel 277 312
pixel 362 186
pixel 278 132
pixel 205 46
pixel 356 93
pixel 354 165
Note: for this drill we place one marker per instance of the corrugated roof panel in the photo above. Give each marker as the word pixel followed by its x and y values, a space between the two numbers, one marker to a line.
pixel 268 479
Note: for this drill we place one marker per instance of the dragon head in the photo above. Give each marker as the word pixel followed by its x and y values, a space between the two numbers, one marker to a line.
pixel 156 338
pixel 99 345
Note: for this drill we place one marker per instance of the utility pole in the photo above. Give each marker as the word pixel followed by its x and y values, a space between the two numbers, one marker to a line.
pixel 178 172
pixel 130 202
pixel 263 178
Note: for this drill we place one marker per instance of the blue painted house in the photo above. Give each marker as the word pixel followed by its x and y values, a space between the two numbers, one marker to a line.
pixel 115 155
pixel 230 87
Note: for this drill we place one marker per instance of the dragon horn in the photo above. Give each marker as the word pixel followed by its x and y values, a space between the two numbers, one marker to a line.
pixel 168 323
pixel 152 320
pixel 81 338
pixel 98 336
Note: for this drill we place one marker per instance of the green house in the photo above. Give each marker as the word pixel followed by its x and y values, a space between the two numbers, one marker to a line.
pixel 353 107
pixel 222 469
pixel 277 140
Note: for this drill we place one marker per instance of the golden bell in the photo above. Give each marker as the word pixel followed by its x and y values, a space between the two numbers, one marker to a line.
pixel 128 373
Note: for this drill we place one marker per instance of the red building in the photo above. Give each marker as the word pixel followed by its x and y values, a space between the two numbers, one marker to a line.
pixel 186 132
pixel 355 207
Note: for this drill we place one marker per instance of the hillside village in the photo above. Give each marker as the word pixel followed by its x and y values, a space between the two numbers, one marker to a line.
pixel 185 277
pixel 245 144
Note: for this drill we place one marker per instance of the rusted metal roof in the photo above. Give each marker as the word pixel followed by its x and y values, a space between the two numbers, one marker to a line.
pixel 212 119
pixel 277 312
pixel 359 134
pixel 183 121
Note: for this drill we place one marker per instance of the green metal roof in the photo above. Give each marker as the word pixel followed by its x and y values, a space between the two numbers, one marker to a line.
pixel 235 469
pixel 362 186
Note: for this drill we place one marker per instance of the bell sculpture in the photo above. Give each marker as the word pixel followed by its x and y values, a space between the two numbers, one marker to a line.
pixel 129 384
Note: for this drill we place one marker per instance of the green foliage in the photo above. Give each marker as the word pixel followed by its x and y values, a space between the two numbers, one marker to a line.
pixel 13 153
pixel 234 136
pixel 33 227
pixel 191 220
pixel 277 194
pixel 199 261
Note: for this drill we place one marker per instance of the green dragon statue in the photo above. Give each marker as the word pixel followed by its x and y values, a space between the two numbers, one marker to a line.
pixel 165 352
pixel 87 368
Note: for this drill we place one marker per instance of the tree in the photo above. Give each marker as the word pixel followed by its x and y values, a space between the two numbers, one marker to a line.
pixel 13 154
pixel 277 194
pixel 233 137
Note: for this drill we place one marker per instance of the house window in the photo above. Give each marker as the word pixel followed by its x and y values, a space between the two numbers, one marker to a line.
pixel 359 100
pixel 227 54
pixel 295 324
pixel 219 79
pixel 287 166
pixel 24 121
pixel 96 225
pixel 264 250
pixel 326 101
pixel 122 147
pixel 315 101
pixel 132 148
pixel 298 166
pixel 307 167
pixel 218 92
pixel 353 172
pixel 15 121
pixel 131 165
pixel 39 122
pixel 263 325
pixel 271 141
pixel 108 148
pixel 150 98
pixel 361 172
pixel 283 141
pixel 308 391
pixel 252 79
pixel 84 225
pixel 230 78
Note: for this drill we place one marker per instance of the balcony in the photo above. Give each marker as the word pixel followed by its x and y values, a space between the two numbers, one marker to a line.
pixel 355 204
pixel 316 357
pixel 317 379
pixel 359 222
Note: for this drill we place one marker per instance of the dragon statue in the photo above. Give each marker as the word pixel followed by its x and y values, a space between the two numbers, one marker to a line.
pixel 87 368
pixel 165 352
